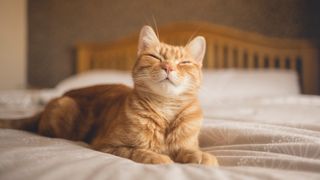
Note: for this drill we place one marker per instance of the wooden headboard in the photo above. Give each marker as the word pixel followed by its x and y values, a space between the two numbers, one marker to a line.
pixel 226 48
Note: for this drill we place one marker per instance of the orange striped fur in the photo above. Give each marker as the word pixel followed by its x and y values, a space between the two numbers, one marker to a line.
pixel 157 121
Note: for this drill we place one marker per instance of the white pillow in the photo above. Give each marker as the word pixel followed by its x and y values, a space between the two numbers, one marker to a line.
pixel 217 84
pixel 93 78
pixel 232 83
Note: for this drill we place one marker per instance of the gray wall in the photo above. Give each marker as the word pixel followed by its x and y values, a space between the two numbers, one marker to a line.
pixel 55 26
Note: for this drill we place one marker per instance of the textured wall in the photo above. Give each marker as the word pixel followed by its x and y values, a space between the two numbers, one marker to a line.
pixel 55 26
pixel 13 39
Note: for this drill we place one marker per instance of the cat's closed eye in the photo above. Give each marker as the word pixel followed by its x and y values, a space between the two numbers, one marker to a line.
pixel 185 62
pixel 154 56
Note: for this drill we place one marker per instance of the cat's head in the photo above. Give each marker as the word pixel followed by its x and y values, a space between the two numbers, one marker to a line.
pixel 165 69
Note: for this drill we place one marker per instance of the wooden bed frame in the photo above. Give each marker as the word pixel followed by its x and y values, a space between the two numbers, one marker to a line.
pixel 226 48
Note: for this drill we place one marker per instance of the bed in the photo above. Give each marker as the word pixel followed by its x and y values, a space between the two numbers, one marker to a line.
pixel 261 119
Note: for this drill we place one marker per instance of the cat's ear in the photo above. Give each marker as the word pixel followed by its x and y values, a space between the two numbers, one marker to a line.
pixel 147 38
pixel 197 48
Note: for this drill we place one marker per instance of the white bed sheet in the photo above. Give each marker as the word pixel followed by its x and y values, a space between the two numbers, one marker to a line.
pixel 256 138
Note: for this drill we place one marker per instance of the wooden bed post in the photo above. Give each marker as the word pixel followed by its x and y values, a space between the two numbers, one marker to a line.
pixel 83 59
pixel 310 72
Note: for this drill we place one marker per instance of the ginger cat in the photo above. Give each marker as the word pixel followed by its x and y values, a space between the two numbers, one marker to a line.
pixel 156 122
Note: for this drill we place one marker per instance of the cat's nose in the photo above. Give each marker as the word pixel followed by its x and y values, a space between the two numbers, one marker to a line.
pixel 167 67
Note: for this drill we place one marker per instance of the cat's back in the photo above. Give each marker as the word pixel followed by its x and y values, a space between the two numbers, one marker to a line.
pixel 100 92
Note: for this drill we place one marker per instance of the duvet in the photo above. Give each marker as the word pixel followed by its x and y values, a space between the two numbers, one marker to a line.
pixel 255 138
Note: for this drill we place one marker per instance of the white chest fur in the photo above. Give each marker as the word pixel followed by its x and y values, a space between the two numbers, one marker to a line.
pixel 170 111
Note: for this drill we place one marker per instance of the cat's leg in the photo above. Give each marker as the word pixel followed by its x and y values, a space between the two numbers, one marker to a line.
pixel 138 155
pixel 59 119
pixel 195 157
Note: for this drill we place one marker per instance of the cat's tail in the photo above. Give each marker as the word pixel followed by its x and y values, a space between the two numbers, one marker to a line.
pixel 28 124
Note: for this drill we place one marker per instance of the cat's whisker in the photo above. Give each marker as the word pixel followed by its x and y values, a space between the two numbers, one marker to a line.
pixel 155 24
pixel 193 35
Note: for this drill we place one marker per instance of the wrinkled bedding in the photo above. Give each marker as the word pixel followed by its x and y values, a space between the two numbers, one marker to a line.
pixel 255 138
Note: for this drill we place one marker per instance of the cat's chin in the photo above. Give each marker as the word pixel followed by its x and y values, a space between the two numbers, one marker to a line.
pixel 167 88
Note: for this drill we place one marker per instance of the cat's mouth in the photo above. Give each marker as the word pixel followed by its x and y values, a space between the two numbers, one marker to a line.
pixel 167 80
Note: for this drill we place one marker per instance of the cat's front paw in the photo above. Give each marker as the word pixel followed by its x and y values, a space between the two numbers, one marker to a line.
pixel 156 159
pixel 197 157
